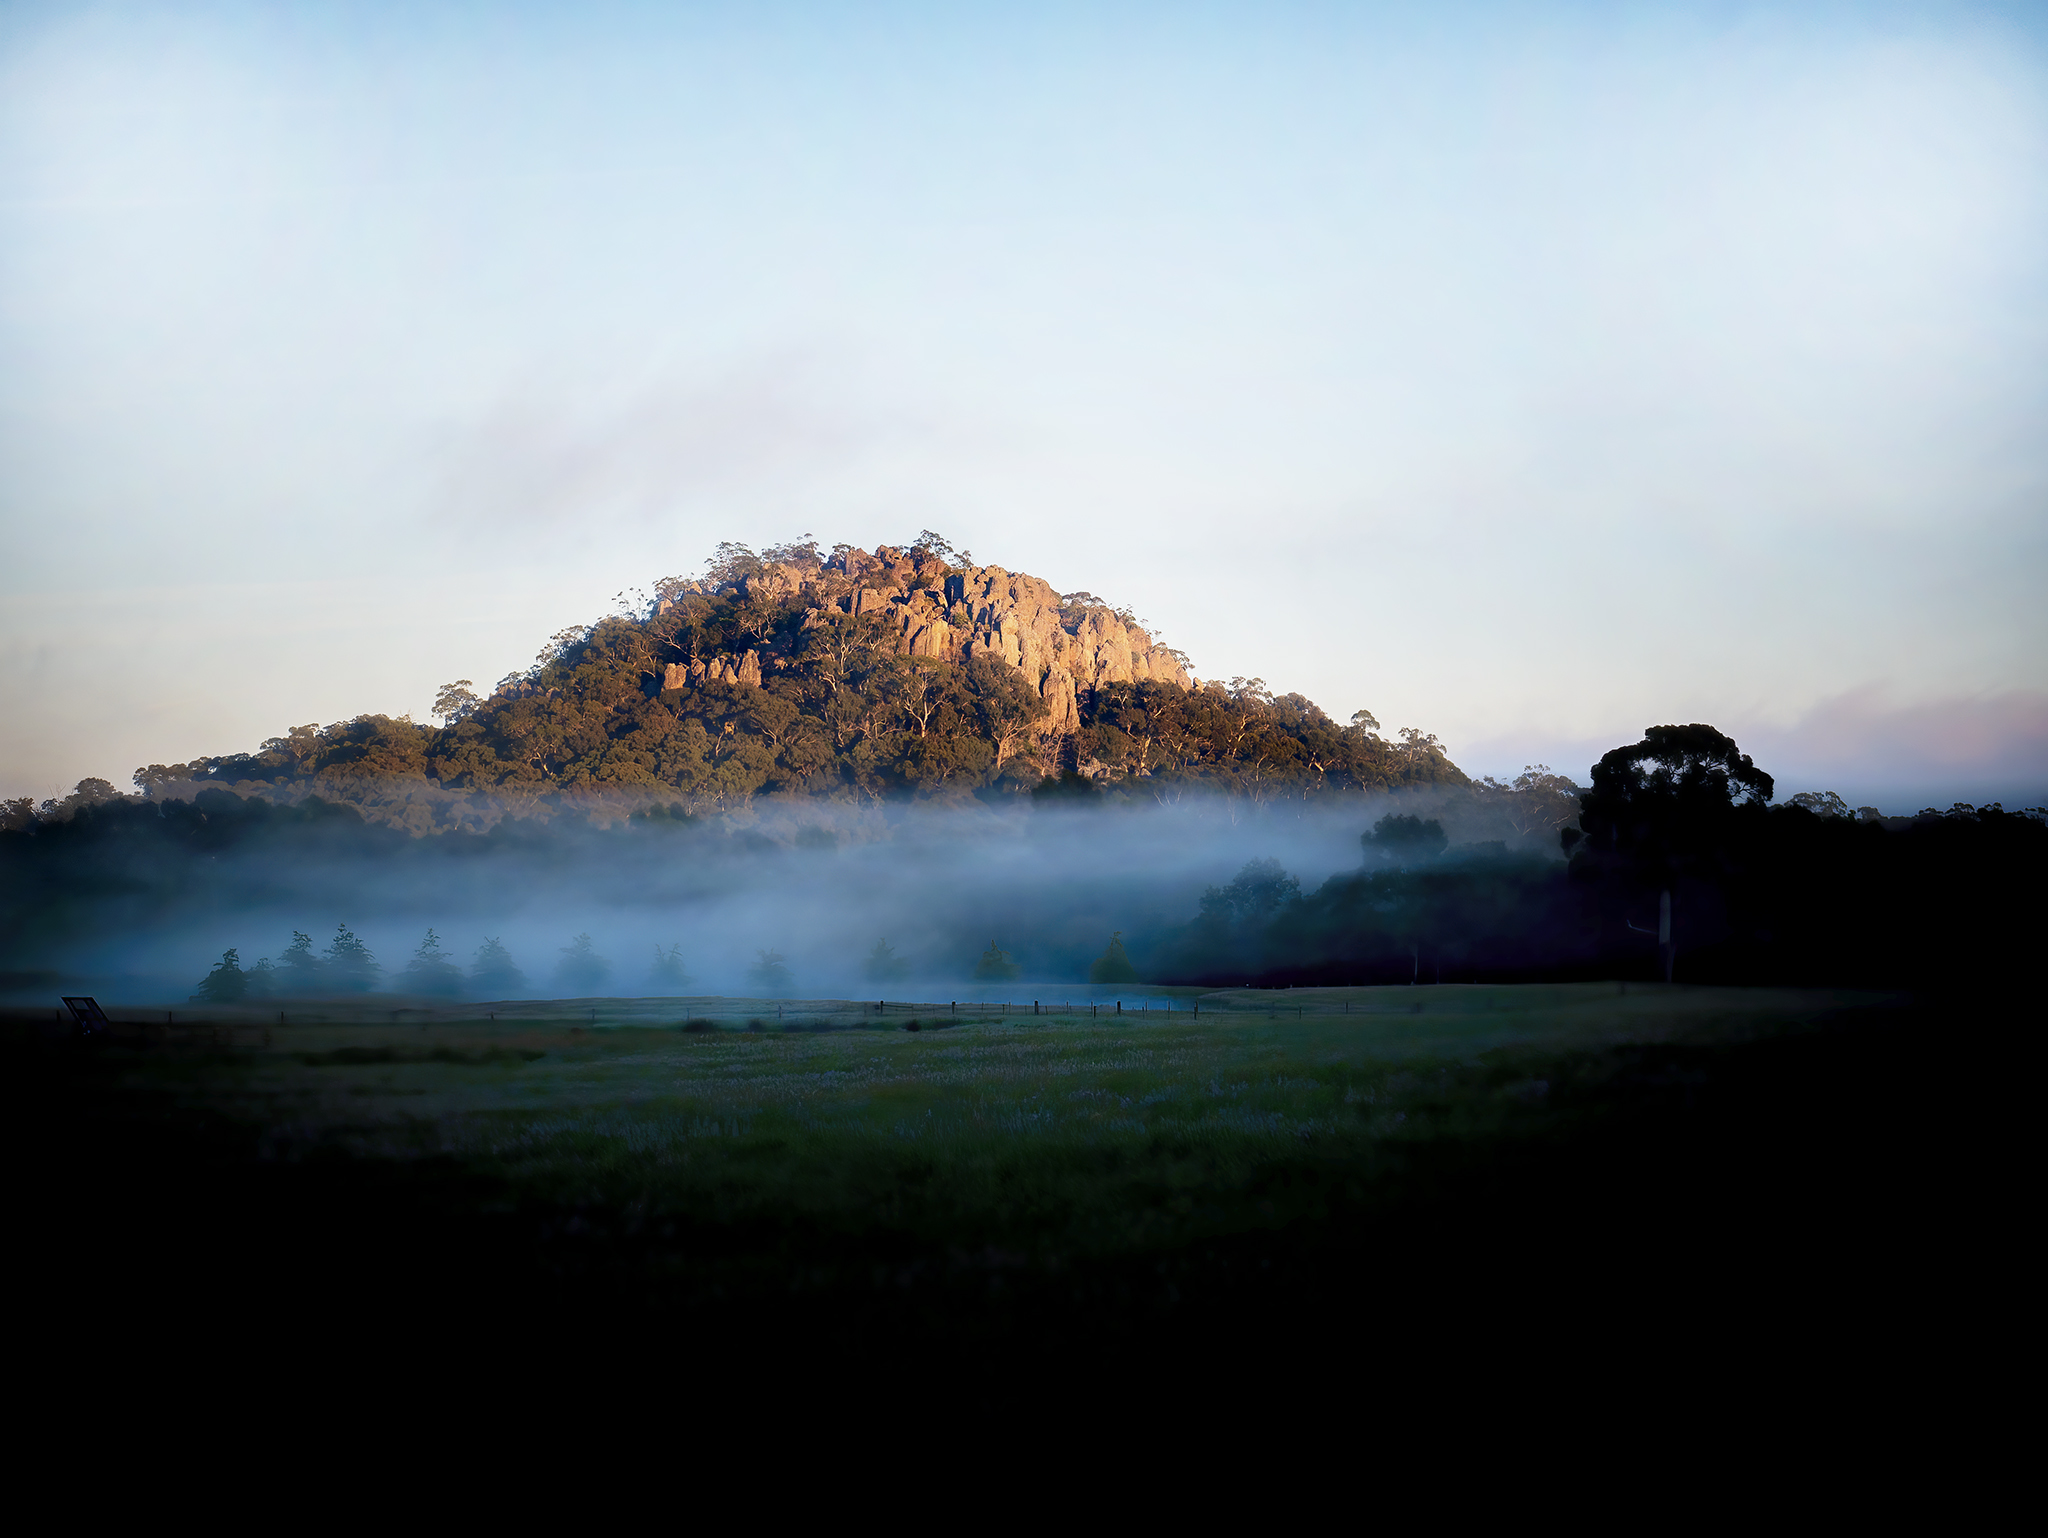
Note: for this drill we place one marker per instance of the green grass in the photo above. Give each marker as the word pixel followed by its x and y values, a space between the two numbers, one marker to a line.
pixel 847 1141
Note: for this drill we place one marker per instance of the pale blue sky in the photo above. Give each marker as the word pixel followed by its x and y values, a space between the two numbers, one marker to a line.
pixel 1527 373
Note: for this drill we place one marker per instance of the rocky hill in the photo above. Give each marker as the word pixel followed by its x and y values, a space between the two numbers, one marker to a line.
pixel 1064 645
pixel 853 675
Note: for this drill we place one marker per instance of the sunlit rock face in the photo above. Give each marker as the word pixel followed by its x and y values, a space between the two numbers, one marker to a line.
pixel 730 670
pixel 957 613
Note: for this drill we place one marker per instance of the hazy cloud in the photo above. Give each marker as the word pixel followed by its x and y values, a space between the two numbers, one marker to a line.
pixel 1983 746
pixel 761 436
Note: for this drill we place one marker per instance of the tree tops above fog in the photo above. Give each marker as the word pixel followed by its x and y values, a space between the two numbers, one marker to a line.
pixel 841 674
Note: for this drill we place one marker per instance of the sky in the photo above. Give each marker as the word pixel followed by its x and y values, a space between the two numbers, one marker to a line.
pixel 1527 373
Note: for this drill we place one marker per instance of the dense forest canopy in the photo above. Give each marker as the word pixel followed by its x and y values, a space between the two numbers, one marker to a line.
pixel 800 672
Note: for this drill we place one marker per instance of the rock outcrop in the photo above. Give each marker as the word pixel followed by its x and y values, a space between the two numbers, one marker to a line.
pixel 1062 645
pixel 728 670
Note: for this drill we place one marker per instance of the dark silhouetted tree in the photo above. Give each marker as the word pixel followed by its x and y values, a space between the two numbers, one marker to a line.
pixel 301 973
pixel 1668 798
pixel 227 983
pixel 1113 965
pixel 1822 803
pixel 264 980
pixel 1669 826
pixel 430 972
pixel 350 966
pixel 1067 790
pixel 1254 895
pixel 1405 839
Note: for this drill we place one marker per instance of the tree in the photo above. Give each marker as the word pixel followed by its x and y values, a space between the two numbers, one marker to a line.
pixel 262 980
pixel 668 975
pixel 1113 965
pixel 581 973
pixel 1535 801
pixel 917 689
pixel 430 972
pixel 493 974
pixel 801 551
pixel 1005 706
pixel 1405 839
pixel 997 966
pixel 456 701
pixel 1670 795
pixel 1668 823
pixel 729 564
pixel 350 966
pixel 155 776
pixel 1069 789
pixel 884 965
pixel 1822 803
pixel 227 983
pixel 770 973
pixel 937 547
pixel 1259 890
pixel 303 972
pixel 1422 754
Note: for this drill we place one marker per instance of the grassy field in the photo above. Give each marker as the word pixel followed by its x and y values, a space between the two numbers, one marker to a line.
pixel 982 1177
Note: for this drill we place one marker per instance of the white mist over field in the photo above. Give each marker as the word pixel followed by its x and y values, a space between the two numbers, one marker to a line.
pixel 819 884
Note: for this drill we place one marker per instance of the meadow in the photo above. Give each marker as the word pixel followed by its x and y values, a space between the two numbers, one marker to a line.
pixel 980 1178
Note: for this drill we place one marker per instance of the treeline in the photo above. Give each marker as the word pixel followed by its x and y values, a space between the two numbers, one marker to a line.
pixel 1680 869
pixel 775 693
pixel 348 966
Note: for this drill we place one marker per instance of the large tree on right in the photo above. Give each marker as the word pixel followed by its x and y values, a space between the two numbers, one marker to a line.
pixel 1666 825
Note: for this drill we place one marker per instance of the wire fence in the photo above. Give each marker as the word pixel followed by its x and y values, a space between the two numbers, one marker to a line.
pixel 255 1022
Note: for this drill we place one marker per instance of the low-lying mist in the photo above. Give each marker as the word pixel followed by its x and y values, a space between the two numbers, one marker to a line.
pixel 1066 892
pixel 800 899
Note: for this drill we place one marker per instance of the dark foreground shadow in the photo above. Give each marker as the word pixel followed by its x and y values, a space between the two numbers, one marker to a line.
pixel 1805 1208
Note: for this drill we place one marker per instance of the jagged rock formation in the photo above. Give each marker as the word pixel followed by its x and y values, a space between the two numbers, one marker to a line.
pixel 742 670
pixel 1061 644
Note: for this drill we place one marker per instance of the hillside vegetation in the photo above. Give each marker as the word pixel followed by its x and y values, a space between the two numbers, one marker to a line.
pixel 850 675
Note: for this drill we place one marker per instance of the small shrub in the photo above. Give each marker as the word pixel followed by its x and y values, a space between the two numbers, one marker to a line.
pixel 756 1025
pixel 697 1025
pixel 912 1025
